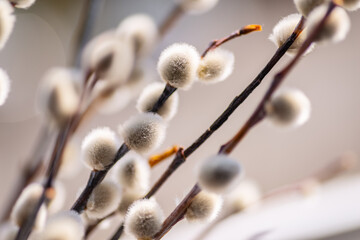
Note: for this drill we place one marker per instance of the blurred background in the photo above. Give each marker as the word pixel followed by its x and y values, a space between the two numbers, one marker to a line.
pixel 43 38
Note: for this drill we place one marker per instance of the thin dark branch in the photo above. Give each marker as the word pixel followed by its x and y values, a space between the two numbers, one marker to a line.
pixel 259 112
pixel 96 177
pixel 237 101
pixel 168 91
pixel 178 213
pixel 118 232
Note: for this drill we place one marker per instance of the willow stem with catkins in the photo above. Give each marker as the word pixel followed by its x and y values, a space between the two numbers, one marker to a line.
pixel 236 102
pixel 54 165
pixel 96 177
pixel 227 148
pixel 181 155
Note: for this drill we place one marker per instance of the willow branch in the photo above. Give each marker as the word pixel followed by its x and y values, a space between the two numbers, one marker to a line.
pixel 236 102
pixel 179 212
pixel 96 177
pixel 259 112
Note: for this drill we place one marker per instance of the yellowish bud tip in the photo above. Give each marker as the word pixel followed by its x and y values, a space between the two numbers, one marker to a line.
pixel 339 2
pixel 157 158
pixel 250 28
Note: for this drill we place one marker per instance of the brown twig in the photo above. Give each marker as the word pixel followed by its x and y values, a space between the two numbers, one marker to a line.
pixel 245 30
pixel 178 213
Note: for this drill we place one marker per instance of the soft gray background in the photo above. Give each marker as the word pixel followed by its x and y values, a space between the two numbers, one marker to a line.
pixel 329 76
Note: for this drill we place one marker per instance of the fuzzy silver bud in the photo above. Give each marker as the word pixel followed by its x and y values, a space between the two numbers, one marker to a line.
pixel 306 6
pixel 99 148
pixel 144 219
pixel 216 66
pixel 25 205
pixel 283 30
pixel 204 207
pixel 103 200
pixel 144 132
pixel 142 31
pixel 63 226
pixel 219 173
pixel 133 173
pixel 7 21
pixel 149 97
pixel 178 64
pixel 336 27
pixel 198 6
pixel 22 3
pixel 4 86
pixel 289 108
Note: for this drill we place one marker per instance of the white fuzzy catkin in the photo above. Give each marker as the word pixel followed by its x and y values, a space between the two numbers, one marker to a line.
pixel 99 148
pixel 8 231
pixel 336 26
pixel 110 57
pixel 133 173
pixel 216 66
pixel 204 207
pixel 219 173
pixel 26 203
pixel 63 226
pixel 178 65
pixel 143 132
pixel 7 21
pixel 246 194
pixel 283 30
pixel 59 98
pixel 144 219
pixel 289 108
pixel 103 200
pixel 351 5
pixel 306 6
pixel 150 96
pixel 142 31
pixel 22 3
pixel 4 86
pixel 197 6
